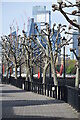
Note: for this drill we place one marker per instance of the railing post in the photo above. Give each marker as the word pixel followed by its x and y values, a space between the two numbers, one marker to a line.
pixel 28 86
pixel 32 86
pixel 38 88
pixel 42 89
pixel 59 92
pixel 50 90
pixel 56 92
pixel 47 89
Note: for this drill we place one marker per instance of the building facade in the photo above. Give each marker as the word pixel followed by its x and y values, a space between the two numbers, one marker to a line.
pixel 75 43
pixel 40 15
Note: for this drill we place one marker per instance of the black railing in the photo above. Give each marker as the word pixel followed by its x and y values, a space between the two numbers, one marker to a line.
pixel 58 92
pixel 73 97
pixel 66 93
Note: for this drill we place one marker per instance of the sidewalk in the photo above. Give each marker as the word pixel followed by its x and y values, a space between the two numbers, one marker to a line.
pixel 19 104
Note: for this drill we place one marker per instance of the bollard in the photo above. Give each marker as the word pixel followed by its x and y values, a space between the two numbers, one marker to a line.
pixel 53 90
pixel 23 86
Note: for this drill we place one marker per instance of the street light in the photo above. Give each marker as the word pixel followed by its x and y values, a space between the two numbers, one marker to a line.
pixel 64 58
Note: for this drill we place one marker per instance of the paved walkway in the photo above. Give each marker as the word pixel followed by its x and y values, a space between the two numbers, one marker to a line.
pixel 19 104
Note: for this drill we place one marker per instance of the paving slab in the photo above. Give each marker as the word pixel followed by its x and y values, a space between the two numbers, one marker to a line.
pixel 19 104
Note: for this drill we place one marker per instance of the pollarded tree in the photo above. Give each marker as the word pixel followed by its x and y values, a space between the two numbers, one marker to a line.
pixel 12 51
pixel 34 54
pixel 47 34
pixel 61 8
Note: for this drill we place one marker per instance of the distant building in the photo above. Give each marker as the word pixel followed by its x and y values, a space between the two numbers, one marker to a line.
pixel 54 39
pixel 40 15
pixel 75 43
pixel 31 27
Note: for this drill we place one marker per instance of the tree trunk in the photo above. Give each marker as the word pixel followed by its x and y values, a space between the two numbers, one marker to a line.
pixel 44 75
pixel 44 72
pixel 15 72
pixel 26 69
pixel 53 70
pixel 52 63
pixel 77 77
pixel 26 75
pixel 77 81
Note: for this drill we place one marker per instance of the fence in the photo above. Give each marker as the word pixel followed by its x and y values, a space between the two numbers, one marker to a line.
pixel 73 97
pixel 66 93
pixel 58 92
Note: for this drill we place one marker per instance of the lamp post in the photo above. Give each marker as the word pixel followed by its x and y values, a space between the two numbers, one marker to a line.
pixel 64 59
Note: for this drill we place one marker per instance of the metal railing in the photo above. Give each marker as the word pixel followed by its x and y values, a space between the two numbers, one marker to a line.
pixel 69 94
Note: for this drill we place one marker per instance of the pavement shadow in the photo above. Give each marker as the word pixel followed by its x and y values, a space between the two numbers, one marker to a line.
pixel 18 103
pixel 13 91
pixel 38 118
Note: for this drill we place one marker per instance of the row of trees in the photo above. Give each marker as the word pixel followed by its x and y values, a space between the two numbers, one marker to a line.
pixel 37 49
pixel 61 8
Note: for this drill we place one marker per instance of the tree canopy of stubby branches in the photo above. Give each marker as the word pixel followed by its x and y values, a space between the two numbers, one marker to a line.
pixel 11 51
pixel 39 49
pixel 75 24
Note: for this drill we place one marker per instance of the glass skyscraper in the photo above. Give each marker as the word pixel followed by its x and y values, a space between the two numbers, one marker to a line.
pixel 40 14
pixel 75 42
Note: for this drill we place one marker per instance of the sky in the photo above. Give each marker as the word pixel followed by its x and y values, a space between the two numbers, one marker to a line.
pixel 17 12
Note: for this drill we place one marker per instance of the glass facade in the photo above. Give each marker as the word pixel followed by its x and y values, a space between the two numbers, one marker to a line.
pixel 40 14
pixel 37 9
pixel 75 43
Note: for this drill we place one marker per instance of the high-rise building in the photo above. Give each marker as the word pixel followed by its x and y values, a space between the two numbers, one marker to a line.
pixel 31 27
pixel 40 14
pixel 75 43
pixel 37 9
